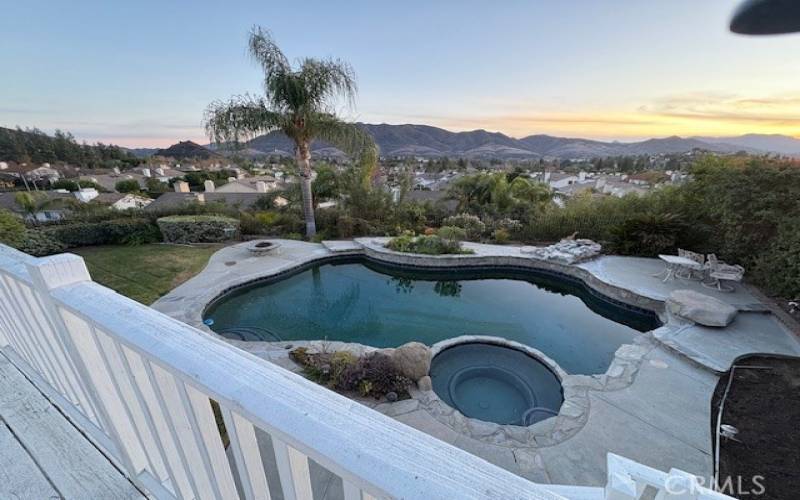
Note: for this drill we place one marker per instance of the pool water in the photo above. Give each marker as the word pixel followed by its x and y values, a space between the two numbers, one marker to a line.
pixel 496 384
pixel 360 301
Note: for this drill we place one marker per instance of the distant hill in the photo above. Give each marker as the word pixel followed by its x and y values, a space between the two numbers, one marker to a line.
pixel 33 145
pixel 141 152
pixel 775 143
pixel 431 142
pixel 186 149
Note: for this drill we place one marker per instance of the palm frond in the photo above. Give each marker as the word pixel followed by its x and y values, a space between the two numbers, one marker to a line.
pixel 242 117
pixel 328 79
pixel 349 138
pixel 267 54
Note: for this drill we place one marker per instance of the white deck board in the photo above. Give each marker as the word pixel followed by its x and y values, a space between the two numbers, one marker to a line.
pixel 19 475
pixel 60 452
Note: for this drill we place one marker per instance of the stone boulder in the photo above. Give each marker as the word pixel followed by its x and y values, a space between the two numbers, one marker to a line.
pixel 566 251
pixel 700 308
pixel 412 360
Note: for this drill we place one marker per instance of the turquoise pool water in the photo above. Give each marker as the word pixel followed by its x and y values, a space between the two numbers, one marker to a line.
pixel 360 301
pixel 496 384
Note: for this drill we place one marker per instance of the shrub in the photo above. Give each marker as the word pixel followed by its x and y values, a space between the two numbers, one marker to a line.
pixel 452 234
pixel 12 229
pixel 779 266
pixel 127 186
pixel 198 228
pixel 370 375
pixel 108 232
pixel 39 244
pixel 472 224
pixel 649 235
pixel 430 244
pixel 511 226
pixel 501 236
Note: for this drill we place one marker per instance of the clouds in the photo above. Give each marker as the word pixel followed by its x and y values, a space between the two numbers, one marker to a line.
pixel 775 110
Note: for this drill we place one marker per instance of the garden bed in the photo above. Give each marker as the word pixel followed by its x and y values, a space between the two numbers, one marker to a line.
pixel 763 404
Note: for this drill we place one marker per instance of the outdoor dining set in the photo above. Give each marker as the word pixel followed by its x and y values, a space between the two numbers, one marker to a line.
pixel 710 271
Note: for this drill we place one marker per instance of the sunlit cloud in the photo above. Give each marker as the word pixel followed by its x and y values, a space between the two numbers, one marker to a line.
pixel 687 114
pixel 777 110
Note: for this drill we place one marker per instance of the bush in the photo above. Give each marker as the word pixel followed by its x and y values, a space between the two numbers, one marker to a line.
pixel 556 225
pixel 472 224
pixel 452 234
pixel 39 244
pixel 198 228
pixel 501 236
pixel 12 229
pixel 370 375
pixel 430 244
pixel 649 235
pixel 108 232
pixel 779 266
pixel 127 186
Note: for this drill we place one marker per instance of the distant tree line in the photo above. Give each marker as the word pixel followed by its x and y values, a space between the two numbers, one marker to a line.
pixel 34 146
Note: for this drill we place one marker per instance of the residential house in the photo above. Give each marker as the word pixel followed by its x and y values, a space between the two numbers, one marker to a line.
pixel 173 200
pixel 256 184
pixel 120 201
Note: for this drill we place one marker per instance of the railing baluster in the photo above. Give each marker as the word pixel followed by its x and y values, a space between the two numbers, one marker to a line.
pixel 353 492
pixel 156 422
pixel 249 464
pixel 293 471
pixel 137 452
pixel 157 382
pixel 28 338
pixel 209 440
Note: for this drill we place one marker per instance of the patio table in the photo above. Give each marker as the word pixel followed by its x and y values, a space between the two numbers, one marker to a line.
pixel 672 263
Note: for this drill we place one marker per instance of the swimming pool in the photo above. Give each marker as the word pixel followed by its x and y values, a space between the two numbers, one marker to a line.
pixel 358 300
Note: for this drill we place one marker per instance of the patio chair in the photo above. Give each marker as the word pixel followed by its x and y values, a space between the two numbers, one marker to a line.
pixel 686 272
pixel 718 272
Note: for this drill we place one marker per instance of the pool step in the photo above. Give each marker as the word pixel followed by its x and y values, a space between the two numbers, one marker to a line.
pixel 250 333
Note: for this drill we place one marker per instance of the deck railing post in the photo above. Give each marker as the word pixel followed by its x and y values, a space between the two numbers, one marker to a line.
pixel 46 275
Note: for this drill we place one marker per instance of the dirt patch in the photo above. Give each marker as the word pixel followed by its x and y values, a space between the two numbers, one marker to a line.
pixel 763 404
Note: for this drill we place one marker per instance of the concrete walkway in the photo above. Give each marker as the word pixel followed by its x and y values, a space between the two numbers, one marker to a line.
pixel 636 274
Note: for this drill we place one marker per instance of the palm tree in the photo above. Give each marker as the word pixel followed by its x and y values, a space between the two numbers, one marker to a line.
pixel 33 203
pixel 298 101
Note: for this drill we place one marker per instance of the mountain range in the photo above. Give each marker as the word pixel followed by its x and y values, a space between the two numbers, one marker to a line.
pixel 432 142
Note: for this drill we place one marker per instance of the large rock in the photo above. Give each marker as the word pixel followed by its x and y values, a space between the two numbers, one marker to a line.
pixel 412 360
pixel 565 251
pixel 700 308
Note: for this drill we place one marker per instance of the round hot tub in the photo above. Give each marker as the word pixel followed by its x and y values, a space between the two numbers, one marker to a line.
pixel 496 383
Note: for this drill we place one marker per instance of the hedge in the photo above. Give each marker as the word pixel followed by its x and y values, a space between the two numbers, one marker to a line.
pixel 198 228
pixel 39 244
pixel 109 232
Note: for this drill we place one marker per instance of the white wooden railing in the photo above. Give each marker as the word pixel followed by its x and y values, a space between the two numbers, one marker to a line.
pixel 140 385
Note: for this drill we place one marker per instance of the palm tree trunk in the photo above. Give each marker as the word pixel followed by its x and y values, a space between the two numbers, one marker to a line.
pixel 303 158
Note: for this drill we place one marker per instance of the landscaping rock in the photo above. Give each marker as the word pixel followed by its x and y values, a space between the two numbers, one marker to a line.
pixel 700 308
pixel 425 383
pixel 413 360
pixel 565 251
pixel 391 396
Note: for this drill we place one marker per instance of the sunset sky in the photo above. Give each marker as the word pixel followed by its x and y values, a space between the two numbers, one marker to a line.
pixel 141 73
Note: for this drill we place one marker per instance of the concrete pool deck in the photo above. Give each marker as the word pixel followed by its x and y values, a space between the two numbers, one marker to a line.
pixel 653 405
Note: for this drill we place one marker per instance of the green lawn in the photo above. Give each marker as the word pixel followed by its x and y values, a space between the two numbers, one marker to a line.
pixel 145 272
